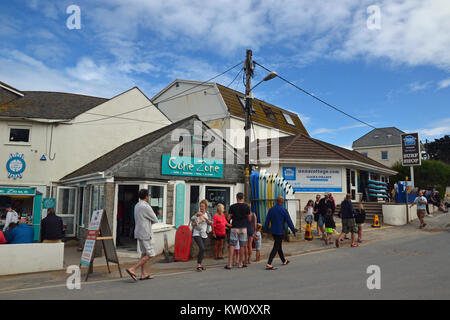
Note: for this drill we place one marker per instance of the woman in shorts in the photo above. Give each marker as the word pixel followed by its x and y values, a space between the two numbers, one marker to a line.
pixel 219 225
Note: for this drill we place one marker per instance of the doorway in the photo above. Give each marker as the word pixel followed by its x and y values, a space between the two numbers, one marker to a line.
pixel 127 198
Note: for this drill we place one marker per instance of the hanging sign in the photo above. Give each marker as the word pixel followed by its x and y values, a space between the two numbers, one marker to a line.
pixel 314 179
pixel 411 149
pixel 193 167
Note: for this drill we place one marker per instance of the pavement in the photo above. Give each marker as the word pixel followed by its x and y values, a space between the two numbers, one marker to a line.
pixel 31 285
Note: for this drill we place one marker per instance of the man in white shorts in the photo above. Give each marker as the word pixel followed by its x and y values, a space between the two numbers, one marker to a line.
pixel 144 218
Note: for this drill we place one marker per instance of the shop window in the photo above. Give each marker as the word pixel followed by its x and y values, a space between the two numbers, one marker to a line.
pixel 216 195
pixel 19 134
pixel 97 198
pixel 384 155
pixel 156 194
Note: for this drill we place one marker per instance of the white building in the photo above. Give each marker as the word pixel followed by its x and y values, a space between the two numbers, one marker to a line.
pixel 222 108
pixel 382 144
pixel 47 135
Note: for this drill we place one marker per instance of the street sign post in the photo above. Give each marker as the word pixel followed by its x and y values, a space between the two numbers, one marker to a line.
pixel 411 156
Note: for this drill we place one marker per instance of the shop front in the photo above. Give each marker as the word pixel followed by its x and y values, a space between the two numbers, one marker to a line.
pixel 27 202
pixel 176 185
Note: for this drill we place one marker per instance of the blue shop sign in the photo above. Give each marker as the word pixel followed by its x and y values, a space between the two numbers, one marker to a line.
pixel 192 167
pixel 17 191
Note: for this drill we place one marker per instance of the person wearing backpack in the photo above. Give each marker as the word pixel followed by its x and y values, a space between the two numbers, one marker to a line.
pixel 360 218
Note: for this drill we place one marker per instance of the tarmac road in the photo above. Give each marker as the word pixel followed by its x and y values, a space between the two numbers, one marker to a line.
pixel 412 267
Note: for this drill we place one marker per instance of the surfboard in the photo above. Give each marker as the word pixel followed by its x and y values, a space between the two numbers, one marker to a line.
pixel 183 238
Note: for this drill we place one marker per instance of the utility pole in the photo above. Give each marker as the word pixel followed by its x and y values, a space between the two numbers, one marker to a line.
pixel 249 68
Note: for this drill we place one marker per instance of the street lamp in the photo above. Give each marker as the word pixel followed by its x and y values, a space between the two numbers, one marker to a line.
pixel 249 68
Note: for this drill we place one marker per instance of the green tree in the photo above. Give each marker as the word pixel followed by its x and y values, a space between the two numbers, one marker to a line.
pixel 431 174
pixel 439 149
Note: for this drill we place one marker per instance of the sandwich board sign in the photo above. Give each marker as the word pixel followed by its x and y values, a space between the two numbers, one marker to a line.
pixel 411 149
pixel 99 230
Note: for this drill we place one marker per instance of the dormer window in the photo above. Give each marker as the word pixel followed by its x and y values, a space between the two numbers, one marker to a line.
pixel 270 115
pixel 288 118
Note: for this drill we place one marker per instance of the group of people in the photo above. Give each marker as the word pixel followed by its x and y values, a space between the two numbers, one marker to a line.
pixel 18 230
pixel 423 200
pixel 239 226
pixel 322 211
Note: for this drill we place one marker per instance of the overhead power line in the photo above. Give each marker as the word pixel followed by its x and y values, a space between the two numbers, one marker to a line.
pixel 317 98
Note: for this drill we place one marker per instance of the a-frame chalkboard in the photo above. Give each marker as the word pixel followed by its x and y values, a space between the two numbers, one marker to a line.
pixel 99 230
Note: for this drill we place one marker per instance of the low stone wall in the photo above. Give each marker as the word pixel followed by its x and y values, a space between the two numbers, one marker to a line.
pixel 32 257
pixel 395 214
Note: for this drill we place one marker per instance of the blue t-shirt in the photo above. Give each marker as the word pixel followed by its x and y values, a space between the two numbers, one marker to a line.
pixel 419 205
pixel 23 233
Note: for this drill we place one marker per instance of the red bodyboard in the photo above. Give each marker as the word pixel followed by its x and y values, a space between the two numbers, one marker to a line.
pixel 183 239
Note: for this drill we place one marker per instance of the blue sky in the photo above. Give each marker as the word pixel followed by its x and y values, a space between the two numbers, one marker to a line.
pixel 398 75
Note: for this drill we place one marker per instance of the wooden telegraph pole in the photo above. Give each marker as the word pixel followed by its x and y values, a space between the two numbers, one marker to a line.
pixel 249 68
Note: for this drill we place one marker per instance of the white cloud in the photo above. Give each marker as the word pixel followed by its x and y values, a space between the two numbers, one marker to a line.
pixel 334 130
pixel 435 129
pixel 444 83
pixel 418 86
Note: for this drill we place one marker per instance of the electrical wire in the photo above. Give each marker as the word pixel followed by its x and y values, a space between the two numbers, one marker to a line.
pixel 165 100
pixel 228 86
pixel 317 98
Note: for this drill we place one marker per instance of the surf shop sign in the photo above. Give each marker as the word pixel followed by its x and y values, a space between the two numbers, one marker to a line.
pixel 314 179
pixel 191 167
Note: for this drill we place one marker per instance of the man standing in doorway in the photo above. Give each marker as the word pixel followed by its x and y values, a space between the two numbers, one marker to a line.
pixel 278 216
pixel 144 218
pixel 240 216
pixel 348 221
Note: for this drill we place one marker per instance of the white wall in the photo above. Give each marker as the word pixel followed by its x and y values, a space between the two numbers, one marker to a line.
pixel 394 154
pixel 32 257
pixel 75 145
pixel 207 106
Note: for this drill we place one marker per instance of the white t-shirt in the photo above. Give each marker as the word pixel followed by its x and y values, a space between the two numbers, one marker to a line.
pixel 419 205
pixel 201 228
pixel 11 217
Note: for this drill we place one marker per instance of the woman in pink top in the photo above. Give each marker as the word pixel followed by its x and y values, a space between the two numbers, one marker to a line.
pixel 219 224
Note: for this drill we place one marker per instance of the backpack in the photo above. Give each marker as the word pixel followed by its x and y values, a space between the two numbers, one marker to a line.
pixel 360 216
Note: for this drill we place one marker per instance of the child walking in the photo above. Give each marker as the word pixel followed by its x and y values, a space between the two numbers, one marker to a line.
pixel 330 226
pixel 258 241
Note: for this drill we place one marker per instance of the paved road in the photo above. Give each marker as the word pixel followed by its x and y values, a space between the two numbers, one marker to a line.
pixel 412 267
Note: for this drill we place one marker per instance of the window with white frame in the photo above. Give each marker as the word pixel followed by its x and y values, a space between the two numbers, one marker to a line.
pixel 288 119
pixel 19 134
pixel 97 198
pixel 157 201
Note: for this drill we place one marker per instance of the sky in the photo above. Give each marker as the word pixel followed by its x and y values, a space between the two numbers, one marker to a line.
pixel 387 65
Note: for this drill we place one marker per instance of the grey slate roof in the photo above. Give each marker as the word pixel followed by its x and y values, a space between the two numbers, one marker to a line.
pixel 48 105
pixel 304 147
pixel 120 153
pixel 379 137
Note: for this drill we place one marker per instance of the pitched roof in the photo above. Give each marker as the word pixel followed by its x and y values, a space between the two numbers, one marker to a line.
pixel 122 152
pixel 49 105
pixel 305 147
pixel 265 113
pixel 379 137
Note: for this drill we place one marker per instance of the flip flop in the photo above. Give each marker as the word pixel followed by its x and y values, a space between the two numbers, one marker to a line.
pixel 149 277
pixel 243 266
pixel 227 267
pixel 271 268
pixel 286 262
pixel 132 275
